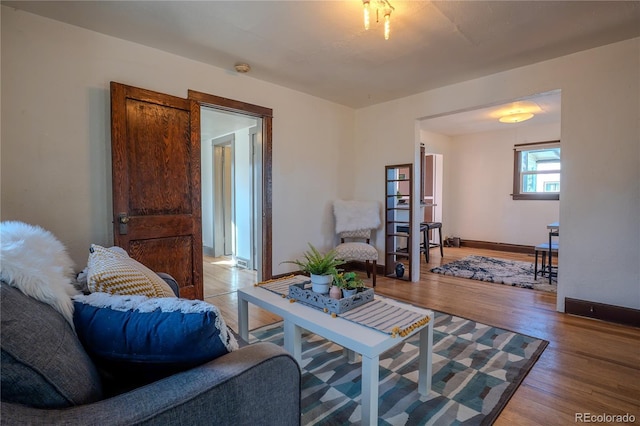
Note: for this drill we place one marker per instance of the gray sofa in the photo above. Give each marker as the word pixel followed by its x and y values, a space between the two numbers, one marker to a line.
pixel 48 379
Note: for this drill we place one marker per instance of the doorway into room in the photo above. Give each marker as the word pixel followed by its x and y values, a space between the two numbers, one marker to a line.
pixel 432 176
pixel 478 208
pixel 231 164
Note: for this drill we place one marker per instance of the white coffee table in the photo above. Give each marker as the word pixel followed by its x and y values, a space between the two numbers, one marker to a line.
pixel 360 339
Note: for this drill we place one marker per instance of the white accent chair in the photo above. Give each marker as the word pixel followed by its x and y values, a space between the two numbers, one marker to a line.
pixel 358 250
pixel 355 219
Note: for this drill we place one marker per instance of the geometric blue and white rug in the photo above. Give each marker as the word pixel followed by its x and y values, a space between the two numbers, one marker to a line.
pixel 476 370
pixel 501 271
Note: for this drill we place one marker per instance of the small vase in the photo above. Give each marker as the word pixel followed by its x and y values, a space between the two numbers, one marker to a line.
pixel 399 270
pixel 335 293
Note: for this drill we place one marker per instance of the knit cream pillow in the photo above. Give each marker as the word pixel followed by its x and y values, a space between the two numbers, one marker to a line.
pixel 116 273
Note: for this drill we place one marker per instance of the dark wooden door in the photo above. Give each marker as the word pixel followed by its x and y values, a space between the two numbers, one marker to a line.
pixel 155 147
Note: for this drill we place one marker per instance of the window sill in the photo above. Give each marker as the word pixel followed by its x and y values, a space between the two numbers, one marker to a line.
pixel 552 197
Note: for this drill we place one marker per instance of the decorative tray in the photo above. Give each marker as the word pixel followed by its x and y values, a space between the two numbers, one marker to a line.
pixel 303 293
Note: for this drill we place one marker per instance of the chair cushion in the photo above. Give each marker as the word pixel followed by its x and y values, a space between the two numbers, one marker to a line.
pixel 43 364
pixel 363 234
pixel 356 251
pixel 143 339
pixel 110 271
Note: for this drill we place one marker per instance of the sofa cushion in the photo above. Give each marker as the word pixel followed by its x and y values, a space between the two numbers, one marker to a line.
pixel 144 339
pixel 114 272
pixel 43 364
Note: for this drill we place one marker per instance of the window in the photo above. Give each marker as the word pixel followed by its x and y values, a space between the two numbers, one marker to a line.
pixel 536 173
pixel 552 187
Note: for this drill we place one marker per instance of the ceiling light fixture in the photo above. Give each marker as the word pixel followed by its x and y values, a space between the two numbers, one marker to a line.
pixel 367 11
pixel 517 112
pixel 516 117
pixel 242 68
pixel 380 5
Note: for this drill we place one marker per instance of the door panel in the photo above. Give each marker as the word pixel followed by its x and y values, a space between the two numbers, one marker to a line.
pixel 162 251
pixel 155 161
pixel 155 144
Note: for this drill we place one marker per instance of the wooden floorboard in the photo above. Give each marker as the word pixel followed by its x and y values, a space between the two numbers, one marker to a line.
pixel 590 366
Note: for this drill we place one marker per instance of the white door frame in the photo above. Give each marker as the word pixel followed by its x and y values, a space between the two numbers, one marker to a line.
pixel 223 207
pixel 256 199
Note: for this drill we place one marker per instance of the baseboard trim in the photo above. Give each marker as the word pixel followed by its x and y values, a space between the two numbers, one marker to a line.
pixel 601 311
pixel 278 276
pixel 488 245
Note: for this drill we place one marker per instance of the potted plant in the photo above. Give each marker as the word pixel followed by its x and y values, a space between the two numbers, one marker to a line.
pixel 320 267
pixel 348 282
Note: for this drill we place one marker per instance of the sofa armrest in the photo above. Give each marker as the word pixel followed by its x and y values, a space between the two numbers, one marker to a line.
pixel 257 384
pixel 171 281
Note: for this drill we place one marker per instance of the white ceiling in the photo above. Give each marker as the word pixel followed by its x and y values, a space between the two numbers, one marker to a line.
pixel 485 118
pixel 321 47
pixel 216 123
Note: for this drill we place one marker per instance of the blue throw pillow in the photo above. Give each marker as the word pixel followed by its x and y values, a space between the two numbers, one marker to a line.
pixel 140 339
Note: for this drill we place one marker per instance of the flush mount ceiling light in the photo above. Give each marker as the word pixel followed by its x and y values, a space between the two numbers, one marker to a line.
pixel 517 112
pixel 516 117
pixel 381 6
pixel 242 68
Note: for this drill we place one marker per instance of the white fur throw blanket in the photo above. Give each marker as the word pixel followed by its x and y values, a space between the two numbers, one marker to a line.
pixel 355 215
pixel 36 263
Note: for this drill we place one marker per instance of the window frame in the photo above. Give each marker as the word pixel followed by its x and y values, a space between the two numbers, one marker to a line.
pixel 517 174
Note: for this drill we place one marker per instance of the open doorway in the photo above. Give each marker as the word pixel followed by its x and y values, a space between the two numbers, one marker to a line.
pixel 231 188
pixel 261 139
pixel 479 208
pixel 432 176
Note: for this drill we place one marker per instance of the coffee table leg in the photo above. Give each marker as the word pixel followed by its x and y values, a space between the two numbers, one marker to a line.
pixel 243 318
pixel 425 361
pixel 369 400
pixel 293 340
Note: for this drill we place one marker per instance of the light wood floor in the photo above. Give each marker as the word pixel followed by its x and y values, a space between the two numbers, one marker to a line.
pixel 589 366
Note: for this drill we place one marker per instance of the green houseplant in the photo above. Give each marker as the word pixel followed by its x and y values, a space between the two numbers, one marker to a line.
pixel 321 267
pixel 348 282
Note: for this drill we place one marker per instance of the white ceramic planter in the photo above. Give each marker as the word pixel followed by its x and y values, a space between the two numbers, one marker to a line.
pixel 320 283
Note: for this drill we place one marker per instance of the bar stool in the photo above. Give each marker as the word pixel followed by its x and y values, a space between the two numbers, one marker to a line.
pixel 544 250
pixel 425 227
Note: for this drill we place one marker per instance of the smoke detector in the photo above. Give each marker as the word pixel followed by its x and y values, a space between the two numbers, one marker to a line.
pixel 242 68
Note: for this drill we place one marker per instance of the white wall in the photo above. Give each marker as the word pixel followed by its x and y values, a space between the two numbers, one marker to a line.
pixel 55 169
pixel 600 194
pixel 480 179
